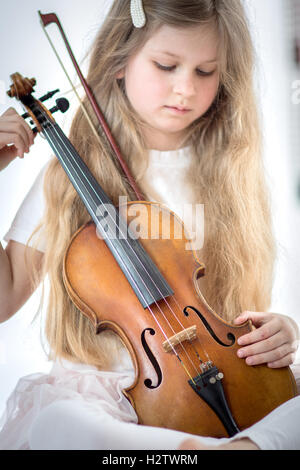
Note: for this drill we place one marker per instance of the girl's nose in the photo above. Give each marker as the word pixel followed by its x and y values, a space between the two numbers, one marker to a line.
pixel 184 85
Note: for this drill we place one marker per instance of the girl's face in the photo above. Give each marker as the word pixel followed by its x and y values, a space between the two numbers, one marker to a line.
pixel 172 81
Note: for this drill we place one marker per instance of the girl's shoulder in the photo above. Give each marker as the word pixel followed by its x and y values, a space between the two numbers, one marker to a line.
pixel 30 213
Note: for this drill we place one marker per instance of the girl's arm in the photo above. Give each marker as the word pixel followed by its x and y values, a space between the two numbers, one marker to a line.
pixel 16 137
pixel 15 285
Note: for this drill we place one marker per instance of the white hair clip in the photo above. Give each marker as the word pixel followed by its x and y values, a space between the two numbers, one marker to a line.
pixel 137 13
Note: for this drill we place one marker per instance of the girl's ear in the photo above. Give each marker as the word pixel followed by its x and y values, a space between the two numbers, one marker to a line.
pixel 120 74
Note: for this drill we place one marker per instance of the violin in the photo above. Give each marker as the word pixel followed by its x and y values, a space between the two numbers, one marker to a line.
pixel 187 373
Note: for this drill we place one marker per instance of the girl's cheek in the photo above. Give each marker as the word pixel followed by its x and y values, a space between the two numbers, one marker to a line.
pixel 209 92
pixel 160 91
pixel 155 90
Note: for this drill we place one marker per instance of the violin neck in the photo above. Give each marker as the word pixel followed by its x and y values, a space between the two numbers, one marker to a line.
pixel 139 269
pixel 80 176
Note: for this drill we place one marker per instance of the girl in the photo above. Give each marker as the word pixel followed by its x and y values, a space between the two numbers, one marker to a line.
pixel 174 80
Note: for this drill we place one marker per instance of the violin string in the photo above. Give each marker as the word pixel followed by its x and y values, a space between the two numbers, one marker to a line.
pixel 152 313
pixel 197 354
pixel 87 203
pixel 141 278
pixel 198 339
pixel 168 321
pixel 167 339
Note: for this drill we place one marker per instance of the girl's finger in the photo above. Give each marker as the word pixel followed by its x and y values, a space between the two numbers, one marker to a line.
pixel 270 356
pixel 15 126
pixel 259 334
pixel 257 318
pixel 10 112
pixel 12 118
pixel 17 143
pixel 269 344
pixel 283 362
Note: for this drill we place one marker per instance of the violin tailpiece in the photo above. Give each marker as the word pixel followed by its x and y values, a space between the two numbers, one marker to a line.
pixel 209 387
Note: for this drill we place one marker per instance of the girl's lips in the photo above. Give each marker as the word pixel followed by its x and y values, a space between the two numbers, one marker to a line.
pixel 178 110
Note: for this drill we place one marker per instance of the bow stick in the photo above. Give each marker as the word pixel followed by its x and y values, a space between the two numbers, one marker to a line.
pixel 49 18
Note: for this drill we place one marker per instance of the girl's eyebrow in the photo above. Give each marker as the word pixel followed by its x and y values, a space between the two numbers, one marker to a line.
pixel 178 57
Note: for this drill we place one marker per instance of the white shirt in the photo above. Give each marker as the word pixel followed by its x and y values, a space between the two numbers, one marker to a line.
pixel 29 214
pixel 78 407
pixel 165 181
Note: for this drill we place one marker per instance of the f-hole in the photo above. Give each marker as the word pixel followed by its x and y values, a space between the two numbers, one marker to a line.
pixel 152 359
pixel 230 336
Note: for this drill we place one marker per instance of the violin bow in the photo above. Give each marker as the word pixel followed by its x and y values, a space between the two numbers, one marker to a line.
pixel 49 18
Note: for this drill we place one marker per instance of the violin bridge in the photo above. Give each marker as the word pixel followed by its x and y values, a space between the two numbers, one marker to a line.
pixel 185 335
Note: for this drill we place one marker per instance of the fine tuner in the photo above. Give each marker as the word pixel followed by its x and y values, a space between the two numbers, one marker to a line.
pixel 188 376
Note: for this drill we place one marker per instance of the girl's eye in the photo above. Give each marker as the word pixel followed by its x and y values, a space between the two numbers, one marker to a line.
pixel 172 67
pixel 205 74
pixel 165 67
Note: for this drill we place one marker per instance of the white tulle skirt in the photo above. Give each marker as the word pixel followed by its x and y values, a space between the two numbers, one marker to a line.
pixel 66 381
pixel 76 406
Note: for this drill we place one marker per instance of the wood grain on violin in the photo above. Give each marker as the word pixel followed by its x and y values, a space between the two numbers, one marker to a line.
pixel 188 375
pixel 162 394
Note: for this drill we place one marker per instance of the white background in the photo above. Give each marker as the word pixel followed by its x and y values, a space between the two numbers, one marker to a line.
pixel 24 48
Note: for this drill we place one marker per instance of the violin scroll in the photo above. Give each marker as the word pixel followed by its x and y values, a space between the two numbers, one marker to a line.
pixel 22 89
pixel 21 86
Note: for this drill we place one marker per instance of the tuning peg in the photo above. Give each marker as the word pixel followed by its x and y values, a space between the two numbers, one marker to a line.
pixel 44 98
pixel 62 104
pixel 25 115
pixel 48 95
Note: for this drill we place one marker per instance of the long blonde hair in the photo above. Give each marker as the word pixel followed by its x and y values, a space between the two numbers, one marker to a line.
pixel 227 171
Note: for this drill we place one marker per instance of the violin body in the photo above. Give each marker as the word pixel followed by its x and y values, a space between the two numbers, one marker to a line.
pixel 141 280
pixel 161 393
pixel 188 375
pixel 145 288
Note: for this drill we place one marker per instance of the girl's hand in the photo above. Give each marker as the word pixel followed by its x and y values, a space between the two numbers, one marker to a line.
pixel 15 137
pixel 239 444
pixel 274 341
